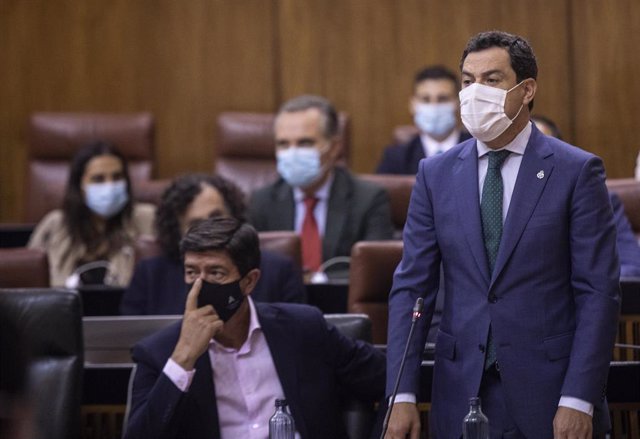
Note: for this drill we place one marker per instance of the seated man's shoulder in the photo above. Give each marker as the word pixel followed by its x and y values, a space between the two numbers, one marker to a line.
pixel 297 312
pixel 161 343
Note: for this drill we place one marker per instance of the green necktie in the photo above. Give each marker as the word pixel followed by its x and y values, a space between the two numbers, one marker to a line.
pixel 491 210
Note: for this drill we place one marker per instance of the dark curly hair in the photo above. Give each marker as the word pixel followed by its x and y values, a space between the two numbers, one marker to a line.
pixel 78 217
pixel 177 198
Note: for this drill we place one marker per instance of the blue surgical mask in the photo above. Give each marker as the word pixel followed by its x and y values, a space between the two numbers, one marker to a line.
pixel 106 199
pixel 299 166
pixel 435 119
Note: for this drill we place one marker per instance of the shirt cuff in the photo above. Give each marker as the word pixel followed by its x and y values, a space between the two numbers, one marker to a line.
pixel 178 376
pixel 405 397
pixel 576 404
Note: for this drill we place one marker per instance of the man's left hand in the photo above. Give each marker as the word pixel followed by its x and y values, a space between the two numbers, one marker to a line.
pixel 572 424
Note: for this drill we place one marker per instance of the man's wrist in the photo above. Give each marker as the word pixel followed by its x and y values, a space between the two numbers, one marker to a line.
pixel 180 377
pixel 576 404
pixel 405 397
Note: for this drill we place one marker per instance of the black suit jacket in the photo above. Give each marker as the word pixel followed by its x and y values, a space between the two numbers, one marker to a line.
pixel 158 287
pixel 404 158
pixel 314 362
pixel 357 211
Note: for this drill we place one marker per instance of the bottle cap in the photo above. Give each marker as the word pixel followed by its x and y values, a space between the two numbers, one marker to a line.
pixel 281 402
pixel 474 400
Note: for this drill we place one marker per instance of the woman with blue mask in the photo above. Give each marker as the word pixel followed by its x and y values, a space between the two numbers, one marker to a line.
pixel 98 223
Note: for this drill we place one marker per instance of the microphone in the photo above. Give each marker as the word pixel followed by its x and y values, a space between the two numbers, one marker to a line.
pixel 417 313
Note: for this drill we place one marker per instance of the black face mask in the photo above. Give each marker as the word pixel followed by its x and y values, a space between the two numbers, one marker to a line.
pixel 225 298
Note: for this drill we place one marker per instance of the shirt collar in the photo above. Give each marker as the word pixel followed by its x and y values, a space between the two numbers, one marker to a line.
pixel 321 194
pixel 432 144
pixel 517 145
pixel 254 326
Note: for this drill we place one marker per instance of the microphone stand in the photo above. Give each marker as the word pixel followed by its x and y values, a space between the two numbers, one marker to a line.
pixel 417 313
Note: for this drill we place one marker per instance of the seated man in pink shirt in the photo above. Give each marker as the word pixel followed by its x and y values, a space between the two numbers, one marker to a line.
pixel 218 373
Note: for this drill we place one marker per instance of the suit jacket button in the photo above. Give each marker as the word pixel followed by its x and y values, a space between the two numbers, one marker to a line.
pixel 481 348
pixel 493 298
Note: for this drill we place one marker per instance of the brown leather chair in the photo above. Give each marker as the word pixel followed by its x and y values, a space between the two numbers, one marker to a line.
pixel 403 133
pixel 55 137
pixel 245 150
pixel 150 191
pixel 23 268
pixel 628 190
pixel 283 242
pixel 51 321
pixel 398 189
pixel 370 278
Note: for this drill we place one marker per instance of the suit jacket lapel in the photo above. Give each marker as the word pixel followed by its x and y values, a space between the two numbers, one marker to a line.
pixel 283 352
pixel 338 210
pixel 284 213
pixel 416 153
pixel 535 170
pixel 204 395
pixel 467 196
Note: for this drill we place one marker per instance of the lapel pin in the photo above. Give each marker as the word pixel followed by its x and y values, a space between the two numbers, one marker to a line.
pixel 540 175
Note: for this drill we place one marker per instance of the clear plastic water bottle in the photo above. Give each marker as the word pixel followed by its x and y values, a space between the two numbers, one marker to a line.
pixel 281 425
pixel 476 424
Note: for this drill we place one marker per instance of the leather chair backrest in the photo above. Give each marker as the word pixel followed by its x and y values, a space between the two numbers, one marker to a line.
pixel 284 242
pixel 628 190
pixel 150 191
pixel 370 278
pixel 55 137
pixel 245 150
pixel 403 133
pixel 51 321
pixel 23 268
pixel 398 189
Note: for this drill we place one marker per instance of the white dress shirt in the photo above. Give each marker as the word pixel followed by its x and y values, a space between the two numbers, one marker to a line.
pixel 509 171
pixel 432 146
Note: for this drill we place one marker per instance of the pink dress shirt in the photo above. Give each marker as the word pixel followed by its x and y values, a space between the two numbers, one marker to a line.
pixel 246 383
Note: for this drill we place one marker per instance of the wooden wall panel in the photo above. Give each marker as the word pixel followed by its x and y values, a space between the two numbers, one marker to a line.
pixel 605 47
pixel 183 61
pixel 363 55
pixel 186 61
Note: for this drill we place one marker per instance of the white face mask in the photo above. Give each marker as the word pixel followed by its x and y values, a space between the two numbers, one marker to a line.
pixel 435 119
pixel 482 111
pixel 299 166
pixel 106 199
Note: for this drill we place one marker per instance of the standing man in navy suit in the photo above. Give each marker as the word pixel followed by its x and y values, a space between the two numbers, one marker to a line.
pixel 524 230
pixel 435 109
pixel 218 373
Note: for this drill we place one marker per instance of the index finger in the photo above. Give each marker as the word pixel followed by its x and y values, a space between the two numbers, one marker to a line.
pixel 192 297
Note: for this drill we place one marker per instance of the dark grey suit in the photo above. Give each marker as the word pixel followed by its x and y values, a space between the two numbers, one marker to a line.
pixel 357 211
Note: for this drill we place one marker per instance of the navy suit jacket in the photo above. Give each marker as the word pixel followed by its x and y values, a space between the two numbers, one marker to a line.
pixel 357 211
pixel 552 300
pixel 628 247
pixel 314 361
pixel 157 286
pixel 404 158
